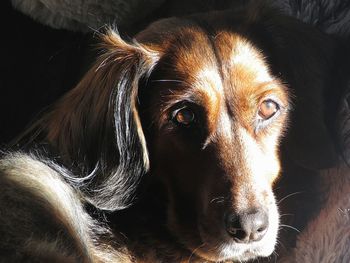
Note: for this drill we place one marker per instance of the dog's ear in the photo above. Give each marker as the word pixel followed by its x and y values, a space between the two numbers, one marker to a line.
pixel 308 67
pixel 308 56
pixel 310 142
pixel 96 127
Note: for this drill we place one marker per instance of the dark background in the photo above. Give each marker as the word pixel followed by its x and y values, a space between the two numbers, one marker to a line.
pixel 37 65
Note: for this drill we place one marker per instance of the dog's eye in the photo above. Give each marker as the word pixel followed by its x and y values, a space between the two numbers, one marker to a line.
pixel 184 116
pixel 268 108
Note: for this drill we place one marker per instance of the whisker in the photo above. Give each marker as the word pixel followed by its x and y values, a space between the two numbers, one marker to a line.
pixel 183 82
pixel 193 252
pixel 291 227
pixel 219 199
pixel 287 196
pixel 286 215
pixel 168 80
pixel 279 242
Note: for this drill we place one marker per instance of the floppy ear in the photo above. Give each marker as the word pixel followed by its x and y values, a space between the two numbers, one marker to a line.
pixel 96 127
pixel 310 141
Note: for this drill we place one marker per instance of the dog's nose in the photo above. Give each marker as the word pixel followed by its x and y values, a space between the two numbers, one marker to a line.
pixel 247 226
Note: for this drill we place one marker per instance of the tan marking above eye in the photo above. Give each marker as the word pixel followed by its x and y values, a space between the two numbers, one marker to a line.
pixel 268 109
pixel 184 116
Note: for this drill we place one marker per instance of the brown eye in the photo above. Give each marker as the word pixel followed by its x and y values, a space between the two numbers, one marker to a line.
pixel 184 116
pixel 268 108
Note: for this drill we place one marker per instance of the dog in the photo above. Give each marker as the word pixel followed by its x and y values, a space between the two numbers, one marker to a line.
pixel 168 149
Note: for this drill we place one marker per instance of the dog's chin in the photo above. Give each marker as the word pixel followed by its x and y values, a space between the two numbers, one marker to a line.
pixel 232 251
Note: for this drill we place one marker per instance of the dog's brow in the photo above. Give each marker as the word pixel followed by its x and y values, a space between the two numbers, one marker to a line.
pixel 245 55
pixel 182 82
pixel 209 79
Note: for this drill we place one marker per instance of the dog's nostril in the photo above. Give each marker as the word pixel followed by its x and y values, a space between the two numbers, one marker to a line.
pixel 234 228
pixel 261 229
pixel 247 226
pixel 239 234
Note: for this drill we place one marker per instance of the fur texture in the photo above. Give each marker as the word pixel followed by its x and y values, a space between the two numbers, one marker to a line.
pixel 327 237
pixel 47 221
pixel 331 16
pixel 111 144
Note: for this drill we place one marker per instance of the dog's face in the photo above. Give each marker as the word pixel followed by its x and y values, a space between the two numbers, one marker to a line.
pixel 200 112
pixel 216 115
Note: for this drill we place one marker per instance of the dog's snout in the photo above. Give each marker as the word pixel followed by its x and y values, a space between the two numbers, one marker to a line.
pixel 247 226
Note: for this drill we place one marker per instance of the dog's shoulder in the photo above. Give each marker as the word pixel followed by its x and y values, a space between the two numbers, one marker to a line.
pixel 42 218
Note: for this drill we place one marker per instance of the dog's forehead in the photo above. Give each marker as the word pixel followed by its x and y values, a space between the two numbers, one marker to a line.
pixel 226 62
pixel 208 47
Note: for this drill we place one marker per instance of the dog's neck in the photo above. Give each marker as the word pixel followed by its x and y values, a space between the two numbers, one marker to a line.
pixel 142 229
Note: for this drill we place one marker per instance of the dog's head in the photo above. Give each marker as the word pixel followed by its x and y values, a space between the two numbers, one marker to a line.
pixel 200 104
pixel 213 114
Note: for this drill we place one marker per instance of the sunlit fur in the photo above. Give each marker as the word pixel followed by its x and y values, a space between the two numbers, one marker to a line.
pixel 96 126
pixel 160 191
